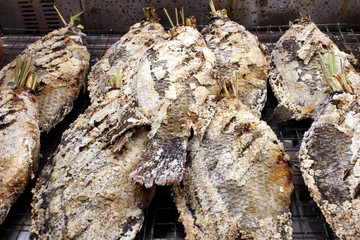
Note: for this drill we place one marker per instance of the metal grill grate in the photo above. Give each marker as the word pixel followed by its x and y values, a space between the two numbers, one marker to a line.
pixel 161 217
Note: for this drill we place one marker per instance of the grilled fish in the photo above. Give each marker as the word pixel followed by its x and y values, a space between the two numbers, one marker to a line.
pixel 238 182
pixel 329 157
pixel 237 50
pixel 85 192
pixel 174 88
pixel 296 76
pixel 60 60
pixel 125 53
pixel 19 143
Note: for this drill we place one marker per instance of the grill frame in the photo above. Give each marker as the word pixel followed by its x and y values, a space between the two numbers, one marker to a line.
pixel 308 222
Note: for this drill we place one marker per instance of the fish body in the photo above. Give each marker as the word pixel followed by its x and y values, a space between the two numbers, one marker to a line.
pixel 238 50
pixel 19 144
pixel 238 181
pixel 297 78
pixel 60 60
pixel 329 156
pixel 124 54
pixel 174 87
pixel 85 192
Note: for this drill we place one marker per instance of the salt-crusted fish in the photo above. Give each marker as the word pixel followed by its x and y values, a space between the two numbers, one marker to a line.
pixel 174 88
pixel 238 181
pixel 19 143
pixel 85 192
pixel 60 60
pixel 296 76
pixel 237 50
pixel 125 53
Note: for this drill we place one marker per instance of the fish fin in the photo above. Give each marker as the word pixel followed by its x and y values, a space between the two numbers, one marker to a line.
pixel 162 163
pixel 280 114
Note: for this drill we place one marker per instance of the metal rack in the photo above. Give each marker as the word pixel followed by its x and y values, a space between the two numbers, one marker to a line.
pixel 161 217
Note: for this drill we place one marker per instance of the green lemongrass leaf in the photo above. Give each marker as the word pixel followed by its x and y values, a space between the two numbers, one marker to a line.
pixel 22 70
pixel 26 70
pixel 332 63
pixel 168 16
pixel 76 17
pixel 80 27
pixel 212 7
pixel 176 17
pixel 182 13
pixel 61 17
pixel 17 70
pixel 323 65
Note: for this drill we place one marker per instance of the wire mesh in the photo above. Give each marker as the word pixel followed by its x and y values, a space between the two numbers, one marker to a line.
pixel 161 217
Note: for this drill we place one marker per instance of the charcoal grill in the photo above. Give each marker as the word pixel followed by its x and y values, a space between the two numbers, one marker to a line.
pixel 161 217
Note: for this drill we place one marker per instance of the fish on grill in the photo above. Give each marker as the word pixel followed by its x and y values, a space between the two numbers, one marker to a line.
pixel 85 192
pixel 174 88
pixel 329 156
pixel 125 53
pixel 19 143
pixel 296 76
pixel 238 181
pixel 237 50
pixel 60 60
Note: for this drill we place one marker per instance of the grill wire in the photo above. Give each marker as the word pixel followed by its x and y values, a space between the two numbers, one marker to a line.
pixel 161 217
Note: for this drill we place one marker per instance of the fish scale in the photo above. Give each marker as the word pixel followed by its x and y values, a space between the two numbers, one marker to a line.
pixel 60 60
pixel 19 144
pixel 174 87
pixel 238 180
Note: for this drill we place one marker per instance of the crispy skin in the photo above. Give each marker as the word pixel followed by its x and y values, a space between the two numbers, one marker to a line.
pixel 236 49
pixel 238 182
pixel 124 54
pixel 329 157
pixel 85 192
pixel 297 78
pixel 174 88
pixel 19 144
pixel 61 61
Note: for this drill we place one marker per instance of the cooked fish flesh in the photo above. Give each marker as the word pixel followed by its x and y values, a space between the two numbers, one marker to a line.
pixel 174 88
pixel 19 143
pixel 297 77
pixel 60 60
pixel 125 53
pixel 329 157
pixel 238 181
pixel 85 192
pixel 237 50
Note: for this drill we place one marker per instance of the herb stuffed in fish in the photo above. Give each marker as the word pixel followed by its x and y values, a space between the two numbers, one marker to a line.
pixel 85 192
pixel 174 88
pixel 236 49
pixel 61 60
pixel 126 52
pixel 329 157
pixel 19 136
pixel 238 181
pixel 296 77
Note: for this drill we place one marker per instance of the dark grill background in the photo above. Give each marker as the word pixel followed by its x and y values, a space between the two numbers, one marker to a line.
pixel 161 218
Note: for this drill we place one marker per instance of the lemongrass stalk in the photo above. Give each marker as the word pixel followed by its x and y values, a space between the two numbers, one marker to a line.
pixel 61 17
pixel 76 17
pixel 183 15
pixel 17 70
pixel 212 7
pixel 324 66
pixel 167 14
pixel 176 17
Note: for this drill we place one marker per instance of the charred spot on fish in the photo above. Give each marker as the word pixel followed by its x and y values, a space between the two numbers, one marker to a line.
pixel 242 129
pixel 121 53
pixel 128 225
pixel 331 150
pixel 152 53
pixel 149 42
pixel 227 125
pixel 346 173
pixel 357 191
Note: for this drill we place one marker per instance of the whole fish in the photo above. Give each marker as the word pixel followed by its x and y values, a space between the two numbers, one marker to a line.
pixel 297 78
pixel 85 192
pixel 329 156
pixel 238 181
pixel 125 53
pixel 19 143
pixel 60 60
pixel 174 87
pixel 237 50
